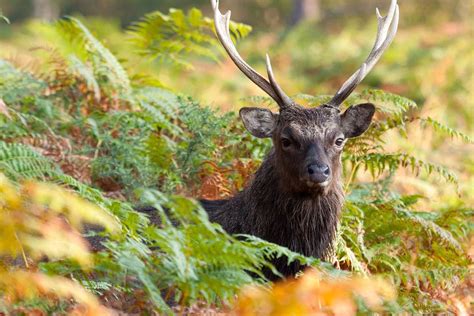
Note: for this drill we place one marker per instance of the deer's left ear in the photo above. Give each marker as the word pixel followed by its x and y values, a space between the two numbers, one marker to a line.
pixel 356 119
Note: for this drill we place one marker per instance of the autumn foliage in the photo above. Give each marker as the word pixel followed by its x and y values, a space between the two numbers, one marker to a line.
pixel 95 120
pixel 315 294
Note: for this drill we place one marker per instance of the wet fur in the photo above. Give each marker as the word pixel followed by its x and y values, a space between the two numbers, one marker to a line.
pixel 277 206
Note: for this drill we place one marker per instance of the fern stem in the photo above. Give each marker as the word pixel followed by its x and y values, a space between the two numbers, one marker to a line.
pixel 352 176
pixel 23 254
pixel 97 149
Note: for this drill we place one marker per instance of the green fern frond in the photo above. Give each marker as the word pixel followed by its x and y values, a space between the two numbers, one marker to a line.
pixel 82 189
pixel 430 227
pixel 105 65
pixel 386 102
pixel 170 38
pixel 346 254
pixel 377 163
pixel 95 287
pixel 446 275
pixel 17 86
pixel 313 100
pixel 272 250
pixel 258 101
pixel 19 162
pixel 161 107
pixel 86 73
pixel 442 128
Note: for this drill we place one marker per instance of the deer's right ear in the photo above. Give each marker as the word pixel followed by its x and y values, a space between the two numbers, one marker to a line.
pixel 259 122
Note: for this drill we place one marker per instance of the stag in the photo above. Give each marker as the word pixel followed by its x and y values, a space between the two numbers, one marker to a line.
pixel 295 197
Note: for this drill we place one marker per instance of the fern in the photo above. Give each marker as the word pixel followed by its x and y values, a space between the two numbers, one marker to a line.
pixel 86 73
pixel 313 100
pixel 19 162
pixel 170 38
pixel 377 163
pixel 40 220
pixel 158 139
pixel 389 226
pixel 387 102
pixel 161 106
pixel 195 258
pixel 401 206
pixel 17 86
pixel 431 228
pixel 105 65
pixel 346 254
pixel 440 127
pixel 96 288
pixel 262 101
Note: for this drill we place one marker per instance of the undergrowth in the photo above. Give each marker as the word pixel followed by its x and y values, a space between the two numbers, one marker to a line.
pixel 83 122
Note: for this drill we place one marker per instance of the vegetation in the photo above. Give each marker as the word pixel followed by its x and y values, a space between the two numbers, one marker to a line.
pixel 31 226
pixel 121 131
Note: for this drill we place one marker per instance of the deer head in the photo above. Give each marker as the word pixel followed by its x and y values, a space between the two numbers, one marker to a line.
pixel 308 142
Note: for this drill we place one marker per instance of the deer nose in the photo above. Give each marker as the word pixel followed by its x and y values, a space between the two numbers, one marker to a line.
pixel 318 174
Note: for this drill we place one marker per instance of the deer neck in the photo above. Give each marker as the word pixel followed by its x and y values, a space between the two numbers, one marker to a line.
pixel 304 222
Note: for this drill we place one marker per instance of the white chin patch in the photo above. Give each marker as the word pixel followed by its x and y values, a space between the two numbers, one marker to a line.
pixel 324 184
pixel 313 185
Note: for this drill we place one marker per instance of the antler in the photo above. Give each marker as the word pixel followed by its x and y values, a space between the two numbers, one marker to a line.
pixel 386 30
pixel 270 87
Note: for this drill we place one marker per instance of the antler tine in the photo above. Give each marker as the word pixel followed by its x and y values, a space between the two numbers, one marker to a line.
pixel 271 88
pixel 284 98
pixel 386 30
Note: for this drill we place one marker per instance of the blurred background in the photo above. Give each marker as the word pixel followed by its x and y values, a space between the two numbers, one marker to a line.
pixel 264 13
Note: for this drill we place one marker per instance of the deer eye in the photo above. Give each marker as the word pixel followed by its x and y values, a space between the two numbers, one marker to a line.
pixel 285 142
pixel 339 141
